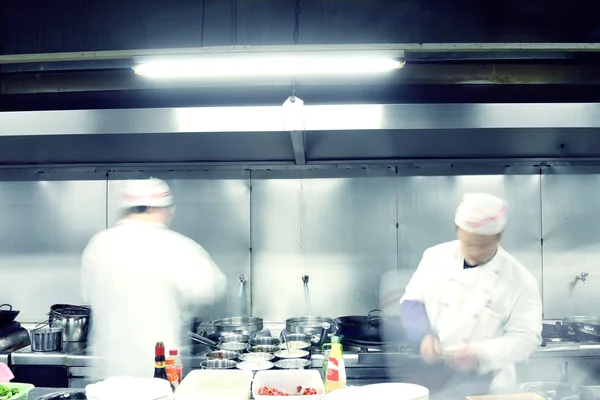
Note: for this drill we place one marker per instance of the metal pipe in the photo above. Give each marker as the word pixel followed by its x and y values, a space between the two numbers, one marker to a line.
pixel 407 47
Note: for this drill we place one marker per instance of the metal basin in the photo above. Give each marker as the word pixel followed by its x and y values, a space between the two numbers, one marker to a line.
pixel 234 346
pixel 263 349
pixel 293 363
pixel 251 357
pixel 264 341
pixel 218 364
pixel 222 355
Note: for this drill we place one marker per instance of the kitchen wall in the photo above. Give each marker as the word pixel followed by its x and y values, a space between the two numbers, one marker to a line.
pixel 358 233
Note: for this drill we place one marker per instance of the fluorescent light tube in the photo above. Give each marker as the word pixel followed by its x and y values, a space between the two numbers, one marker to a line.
pixel 266 65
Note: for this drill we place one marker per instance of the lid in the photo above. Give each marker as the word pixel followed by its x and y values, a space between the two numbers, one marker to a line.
pixel 173 352
pixel 159 350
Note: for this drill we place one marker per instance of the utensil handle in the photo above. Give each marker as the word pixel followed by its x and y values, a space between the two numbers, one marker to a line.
pixel 8 305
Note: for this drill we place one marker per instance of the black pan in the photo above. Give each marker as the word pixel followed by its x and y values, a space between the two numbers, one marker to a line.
pixel 7 316
pixel 371 328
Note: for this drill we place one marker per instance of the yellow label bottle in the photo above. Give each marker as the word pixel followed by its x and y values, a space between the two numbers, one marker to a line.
pixel 335 377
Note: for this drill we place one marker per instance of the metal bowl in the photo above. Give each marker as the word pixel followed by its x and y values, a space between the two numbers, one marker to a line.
pixel 263 349
pixel 255 365
pixel 222 355
pixel 218 364
pixel 234 346
pixel 293 363
pixel 295 345
pixel 292 354
pixel 227 338
pixel 252 357
pixel 250 324
pixel 264 341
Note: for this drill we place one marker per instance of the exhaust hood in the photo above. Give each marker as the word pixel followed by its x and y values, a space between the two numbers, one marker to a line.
pixel 321 134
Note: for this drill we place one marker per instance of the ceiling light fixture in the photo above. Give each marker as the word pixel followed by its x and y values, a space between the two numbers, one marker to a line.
pixel 268 64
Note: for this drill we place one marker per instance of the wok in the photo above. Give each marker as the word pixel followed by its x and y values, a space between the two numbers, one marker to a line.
pixel 7 316
pixel 371 328
pixel 587 329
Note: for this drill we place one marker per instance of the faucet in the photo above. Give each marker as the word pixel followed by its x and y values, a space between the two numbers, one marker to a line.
pixel 242 279
pixel 582 277
pixel 305 281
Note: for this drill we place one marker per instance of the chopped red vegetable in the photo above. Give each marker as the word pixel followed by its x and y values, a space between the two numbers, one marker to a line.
pixel 267 391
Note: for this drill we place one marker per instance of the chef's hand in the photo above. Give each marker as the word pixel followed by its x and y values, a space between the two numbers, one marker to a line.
pixel 431 349
pixel 464 360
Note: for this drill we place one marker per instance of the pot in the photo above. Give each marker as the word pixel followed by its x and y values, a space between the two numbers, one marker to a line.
pixel 46 339
pixel 238 324
pixel 308 325
pixel 587 329
pixel 73 320
pixel 371 328
pixel 7 316
pixel 234 338
pixel 218 364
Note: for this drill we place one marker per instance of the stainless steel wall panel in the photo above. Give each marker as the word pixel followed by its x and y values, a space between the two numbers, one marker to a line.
pixel 427 204
pixel 570 198
pixel 213 208
pixel 338 227
pixel 44 227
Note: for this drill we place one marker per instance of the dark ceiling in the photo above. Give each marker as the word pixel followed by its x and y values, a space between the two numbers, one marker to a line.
pixel 94 25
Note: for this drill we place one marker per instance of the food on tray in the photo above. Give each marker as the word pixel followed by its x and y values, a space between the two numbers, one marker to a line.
pixel 7 393
pixel 267 391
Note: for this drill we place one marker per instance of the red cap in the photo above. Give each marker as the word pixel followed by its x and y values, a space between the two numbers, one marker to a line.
pixel 173 352
pixel 159 350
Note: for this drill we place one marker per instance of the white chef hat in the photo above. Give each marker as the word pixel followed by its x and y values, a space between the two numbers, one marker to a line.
pixel 481 213
pixel 146 192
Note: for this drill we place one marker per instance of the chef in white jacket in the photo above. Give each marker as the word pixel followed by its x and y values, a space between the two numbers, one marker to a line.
pixel 471 309
pixel 139 278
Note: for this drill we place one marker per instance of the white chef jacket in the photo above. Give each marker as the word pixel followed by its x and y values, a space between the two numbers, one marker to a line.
pixel 494 308
pixel 138 278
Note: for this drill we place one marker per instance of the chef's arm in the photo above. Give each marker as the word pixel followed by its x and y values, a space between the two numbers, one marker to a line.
pixel 522 335
pixel 415 322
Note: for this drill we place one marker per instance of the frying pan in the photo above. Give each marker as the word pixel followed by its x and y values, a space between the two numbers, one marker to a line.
pixel 587 329
pixel 371 328
pixel 7 316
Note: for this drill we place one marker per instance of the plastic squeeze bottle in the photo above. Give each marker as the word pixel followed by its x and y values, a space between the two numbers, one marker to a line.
pixel 336 371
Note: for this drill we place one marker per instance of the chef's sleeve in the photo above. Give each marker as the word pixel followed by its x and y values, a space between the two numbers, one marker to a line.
pixel 522 333
pixel 197 277
pixel 414 317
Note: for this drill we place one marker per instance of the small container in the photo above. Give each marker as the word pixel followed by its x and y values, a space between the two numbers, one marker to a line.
pixel 46 339
pixel 222 355
pixel 264 349
pixel 178 364
pixel 264 341
pixel 293 363
pixel 252 357
pixel 218 364
pixel 215 385
pixel 288 381
pixel 23 390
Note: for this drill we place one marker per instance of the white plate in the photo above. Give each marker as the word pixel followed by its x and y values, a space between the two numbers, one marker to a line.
pixel 397 391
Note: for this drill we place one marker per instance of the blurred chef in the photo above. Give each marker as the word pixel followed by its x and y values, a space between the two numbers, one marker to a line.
pixel 139 277
pixel 471 308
